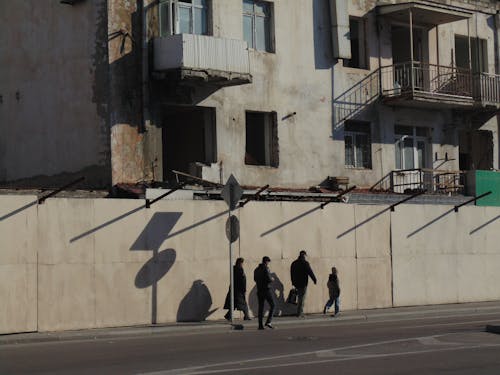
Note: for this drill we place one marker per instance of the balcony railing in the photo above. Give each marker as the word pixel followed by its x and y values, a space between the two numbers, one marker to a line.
pixel 487 88
pixel 419 179
pixel 435 80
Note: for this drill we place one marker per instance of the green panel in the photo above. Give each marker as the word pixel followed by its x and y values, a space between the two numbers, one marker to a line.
pixel 488 181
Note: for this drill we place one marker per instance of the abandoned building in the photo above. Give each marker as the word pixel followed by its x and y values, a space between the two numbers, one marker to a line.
pixel 389 94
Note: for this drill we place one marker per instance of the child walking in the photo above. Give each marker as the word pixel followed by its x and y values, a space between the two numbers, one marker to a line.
pixel 333 292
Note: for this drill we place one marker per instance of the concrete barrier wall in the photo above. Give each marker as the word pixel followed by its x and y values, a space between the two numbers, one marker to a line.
pixel 440 256
pixel 18 259
pixel 104 263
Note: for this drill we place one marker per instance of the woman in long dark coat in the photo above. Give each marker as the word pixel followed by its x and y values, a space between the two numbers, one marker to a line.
pixel 240 288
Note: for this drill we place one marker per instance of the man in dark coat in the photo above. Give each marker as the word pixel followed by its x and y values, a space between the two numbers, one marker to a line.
pixel 300 271
pixel 263 279
pixel 240 288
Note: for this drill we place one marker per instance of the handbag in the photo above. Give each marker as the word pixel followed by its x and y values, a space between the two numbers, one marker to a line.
pixel 292 297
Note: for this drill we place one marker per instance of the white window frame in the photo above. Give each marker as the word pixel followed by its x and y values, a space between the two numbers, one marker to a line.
pixel 171 25
pixel 399 143
pixel 257 14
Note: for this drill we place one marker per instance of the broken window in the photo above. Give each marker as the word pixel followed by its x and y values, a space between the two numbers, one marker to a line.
pixel 183 17
pixel 189 140
pixel 358 46
pixel 257 25
pixel 261 147
pixel 357 144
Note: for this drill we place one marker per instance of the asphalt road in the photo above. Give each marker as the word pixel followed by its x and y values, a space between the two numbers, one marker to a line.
pixel 429 344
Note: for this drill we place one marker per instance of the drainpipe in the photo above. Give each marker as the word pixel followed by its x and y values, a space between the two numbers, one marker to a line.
pixel 145 64
pixel 496 25
pixel 411 51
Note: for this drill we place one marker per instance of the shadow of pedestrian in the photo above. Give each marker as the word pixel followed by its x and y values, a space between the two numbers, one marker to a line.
pixel 195 306
pixel 282 308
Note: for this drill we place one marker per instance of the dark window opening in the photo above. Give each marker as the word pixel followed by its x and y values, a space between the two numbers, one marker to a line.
pixel 189 140
pixel 261 147
pixel 358 46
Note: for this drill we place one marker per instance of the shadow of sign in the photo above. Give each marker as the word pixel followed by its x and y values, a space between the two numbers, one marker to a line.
pixel 151 239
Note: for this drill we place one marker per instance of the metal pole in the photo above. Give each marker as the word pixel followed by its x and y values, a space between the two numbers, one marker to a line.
pixel 231 274
pixel 411 51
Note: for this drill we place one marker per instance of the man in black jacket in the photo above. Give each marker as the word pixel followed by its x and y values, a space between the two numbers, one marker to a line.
pixel 300 271
pixel 263 279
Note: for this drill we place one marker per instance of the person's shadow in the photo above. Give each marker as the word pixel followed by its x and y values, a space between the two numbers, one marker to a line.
pixel 195 306
pixel 282 308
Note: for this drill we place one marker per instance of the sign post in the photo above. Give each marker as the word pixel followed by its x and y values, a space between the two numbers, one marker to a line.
pixel 231 193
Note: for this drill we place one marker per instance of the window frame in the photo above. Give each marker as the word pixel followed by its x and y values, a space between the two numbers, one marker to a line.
pixel 254 14
pixel 357 145
pixel 169 19
pixel 362 50
pixel 415 139
pixel 270 139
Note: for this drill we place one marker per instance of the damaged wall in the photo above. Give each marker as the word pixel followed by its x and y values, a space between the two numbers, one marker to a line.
pixel 54 95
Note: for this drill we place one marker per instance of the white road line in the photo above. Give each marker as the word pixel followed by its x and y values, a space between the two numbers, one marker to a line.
pixel 319 353
pixel 360 357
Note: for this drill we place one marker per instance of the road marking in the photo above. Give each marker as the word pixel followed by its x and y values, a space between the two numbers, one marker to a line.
pixel 204 369
pixel 452 324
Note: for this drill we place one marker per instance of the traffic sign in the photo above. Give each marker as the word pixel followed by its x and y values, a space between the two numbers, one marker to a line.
pixel 232 228
pixel 231 192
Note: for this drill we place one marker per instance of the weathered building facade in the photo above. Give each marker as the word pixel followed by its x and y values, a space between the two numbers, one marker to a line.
pixel 283 92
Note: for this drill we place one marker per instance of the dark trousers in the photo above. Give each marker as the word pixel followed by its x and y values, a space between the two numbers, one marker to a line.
pixel 265 295
pixel 243 307
pixel 301 297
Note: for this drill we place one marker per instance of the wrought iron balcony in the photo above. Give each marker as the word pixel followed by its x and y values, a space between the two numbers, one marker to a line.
pixel 433 85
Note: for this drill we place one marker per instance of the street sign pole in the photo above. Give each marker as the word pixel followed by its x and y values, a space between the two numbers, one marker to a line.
pixel 231 193
pixel 231 273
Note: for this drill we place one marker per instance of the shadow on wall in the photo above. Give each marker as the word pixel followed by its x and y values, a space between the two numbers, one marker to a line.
pixel 155 268
pixel 195 306
pixel 279 295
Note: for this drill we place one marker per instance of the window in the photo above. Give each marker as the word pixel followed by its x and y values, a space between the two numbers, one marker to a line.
pixel 261 146
pixel 358 47
pixel 183 17
pixel 257 24
pixel 478 53
pixel 357 144
pixel 412 146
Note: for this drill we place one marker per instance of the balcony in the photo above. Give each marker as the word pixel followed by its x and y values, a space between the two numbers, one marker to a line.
pixel 435 86
pixel 202 60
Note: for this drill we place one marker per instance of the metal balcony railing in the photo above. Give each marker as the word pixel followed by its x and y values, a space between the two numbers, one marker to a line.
pixel 434 82
pixel 419 179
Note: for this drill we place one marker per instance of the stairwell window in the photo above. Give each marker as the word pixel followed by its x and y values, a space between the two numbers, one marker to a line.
pixel 357 143
pixel 358 44
pixel 258 25
pixel 184 17
pixel 261 146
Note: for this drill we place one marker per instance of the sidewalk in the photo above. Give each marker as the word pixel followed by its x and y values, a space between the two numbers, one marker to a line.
pixel 399 313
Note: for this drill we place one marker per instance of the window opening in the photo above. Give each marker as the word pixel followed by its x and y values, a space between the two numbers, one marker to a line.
pixel 261 146
pixel 183 17
pixel 411 147
pixel 257 24
pixel 358 45
pixel 357 144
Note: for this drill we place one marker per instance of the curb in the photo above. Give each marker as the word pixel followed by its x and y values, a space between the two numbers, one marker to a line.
pixel 435 311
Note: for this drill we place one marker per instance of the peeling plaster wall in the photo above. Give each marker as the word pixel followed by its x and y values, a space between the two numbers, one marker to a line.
pixel 53 85
pixel 302 77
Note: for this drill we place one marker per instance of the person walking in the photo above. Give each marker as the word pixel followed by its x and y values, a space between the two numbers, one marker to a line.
pixel 240 289
pixel 300 271
pixel 263 279
pixel 333 292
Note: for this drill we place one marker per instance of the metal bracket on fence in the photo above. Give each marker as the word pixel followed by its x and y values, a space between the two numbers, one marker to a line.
pixel 149 203
pixel 254 196
pixel 336 198
pixel 472 200
pixel 407 199
pixel 51 194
